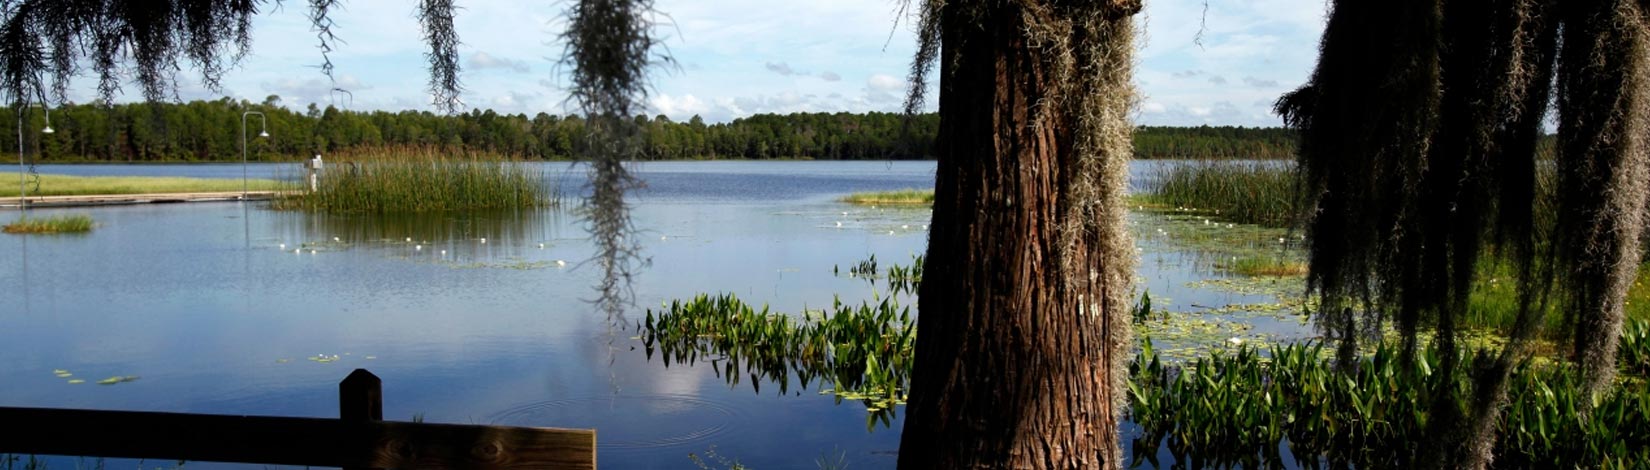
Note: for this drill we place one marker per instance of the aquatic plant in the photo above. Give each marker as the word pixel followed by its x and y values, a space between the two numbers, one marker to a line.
pixel 1264 266
pixel 420 183
pixel 905 278
pixel 1634 353
pixel 1260 193
pixel 903 196
pixel 1243 408
pixel 863 352
pixel 74 223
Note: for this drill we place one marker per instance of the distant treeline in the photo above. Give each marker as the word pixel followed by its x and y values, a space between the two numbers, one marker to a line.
pixel 211 131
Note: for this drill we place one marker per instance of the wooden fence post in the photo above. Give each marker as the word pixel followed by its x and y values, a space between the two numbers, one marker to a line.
pixel 361 398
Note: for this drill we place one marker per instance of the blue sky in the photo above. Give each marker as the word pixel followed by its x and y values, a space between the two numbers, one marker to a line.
pixel 740 57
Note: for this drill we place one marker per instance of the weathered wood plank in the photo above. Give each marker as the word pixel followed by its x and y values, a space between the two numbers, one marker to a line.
pixel 292 441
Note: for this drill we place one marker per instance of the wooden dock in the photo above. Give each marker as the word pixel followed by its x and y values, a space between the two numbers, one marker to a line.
pixel 127 199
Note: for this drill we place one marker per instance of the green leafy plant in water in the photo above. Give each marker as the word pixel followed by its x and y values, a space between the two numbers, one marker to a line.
pixel 1242 408
pixel 905 279
pixel 863 352
pixel 1634 350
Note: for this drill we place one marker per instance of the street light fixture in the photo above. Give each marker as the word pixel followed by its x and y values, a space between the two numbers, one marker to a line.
pixel 264 132
pixel 22 172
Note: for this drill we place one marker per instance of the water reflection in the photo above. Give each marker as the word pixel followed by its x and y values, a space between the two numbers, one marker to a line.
pixel 481 235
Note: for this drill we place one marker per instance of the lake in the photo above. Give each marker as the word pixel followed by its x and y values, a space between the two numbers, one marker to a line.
pixel 469 318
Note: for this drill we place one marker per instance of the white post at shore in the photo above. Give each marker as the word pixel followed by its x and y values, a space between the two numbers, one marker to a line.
pixel 314 172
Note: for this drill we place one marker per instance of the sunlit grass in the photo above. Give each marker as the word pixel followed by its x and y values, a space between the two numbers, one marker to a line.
pixel 1264 266
pixel 74 223
pixel 899 197
pixel 65 185
pixel 1493 303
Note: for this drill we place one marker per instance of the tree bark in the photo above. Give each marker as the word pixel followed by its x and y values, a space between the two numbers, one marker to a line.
pixel 1024 336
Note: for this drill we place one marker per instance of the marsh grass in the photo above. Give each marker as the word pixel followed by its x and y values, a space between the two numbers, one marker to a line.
pixel 72 223
pixel 65 185
pixel 415 183
pixel 1493 303
pixel 1264 266
pixel 899 197
pixel 1241 192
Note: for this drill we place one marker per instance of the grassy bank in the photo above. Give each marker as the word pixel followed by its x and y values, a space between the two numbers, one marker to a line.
pixel 1240 192
pixel 420 183
pixel 65 185
pixel 900 197
pixel 74 223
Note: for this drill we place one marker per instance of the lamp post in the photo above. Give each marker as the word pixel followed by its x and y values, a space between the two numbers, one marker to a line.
pixel 22 178
pixel 263 122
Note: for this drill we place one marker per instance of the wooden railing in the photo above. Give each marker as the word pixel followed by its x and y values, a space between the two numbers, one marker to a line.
pixel 358 439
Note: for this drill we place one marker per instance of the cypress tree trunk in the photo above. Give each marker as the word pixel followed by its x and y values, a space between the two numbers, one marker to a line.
pixel 1022 355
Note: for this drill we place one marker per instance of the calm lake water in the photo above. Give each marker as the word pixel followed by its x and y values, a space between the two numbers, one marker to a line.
pixel 209 305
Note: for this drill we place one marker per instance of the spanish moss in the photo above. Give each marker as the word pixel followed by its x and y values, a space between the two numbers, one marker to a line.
pixel 611 45
pixel 436 17
pixel 320 21
pixel 1602 172
pixel 1418 156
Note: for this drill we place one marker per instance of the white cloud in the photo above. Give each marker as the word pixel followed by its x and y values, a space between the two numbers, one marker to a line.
pixel 1259 83
pixel 297 93
pixel 483 61
pixel 780 68
pixel 881 82
pixel 679 107
pixel 830 76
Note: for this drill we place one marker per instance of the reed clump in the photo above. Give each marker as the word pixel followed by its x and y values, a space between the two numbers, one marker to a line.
pixel 1259 193
pixel 898 197
pixel 420 183
pixel 72 223
pixel 1264 266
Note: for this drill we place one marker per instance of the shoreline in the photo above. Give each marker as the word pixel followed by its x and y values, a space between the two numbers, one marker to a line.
pixel 132 199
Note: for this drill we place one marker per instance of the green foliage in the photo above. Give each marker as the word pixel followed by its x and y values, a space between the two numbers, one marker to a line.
pixel 865 352
pixel 211 131
pixel 1143 310
pixel 1634 351
pixel 1493 301
pixel 74 223
pixel 905 279
pixel 1248 193
pixel 419 184
pixel 1239 409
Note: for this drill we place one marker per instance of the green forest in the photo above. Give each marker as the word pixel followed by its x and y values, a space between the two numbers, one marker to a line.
pixel 210 131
